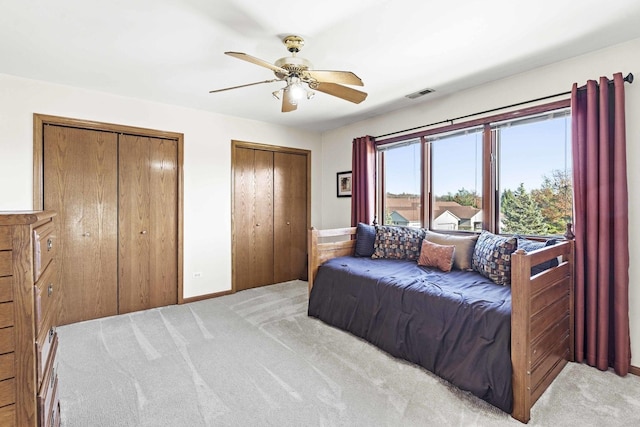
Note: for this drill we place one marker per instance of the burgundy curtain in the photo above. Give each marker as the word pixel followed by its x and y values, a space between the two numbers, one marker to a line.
pixel 363 180
pixel 601 225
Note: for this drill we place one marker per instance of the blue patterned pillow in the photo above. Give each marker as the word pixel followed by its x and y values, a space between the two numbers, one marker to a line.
pixel 365 239
pixel 492 257
pixel 532 245
pixel 394 242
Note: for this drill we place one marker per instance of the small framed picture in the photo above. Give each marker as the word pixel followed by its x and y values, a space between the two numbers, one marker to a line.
pixel 344 184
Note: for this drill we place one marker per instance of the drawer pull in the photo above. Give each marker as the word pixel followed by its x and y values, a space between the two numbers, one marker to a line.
pixel 87 234
pixel 143 232
pixel 50 289
pixel 49 244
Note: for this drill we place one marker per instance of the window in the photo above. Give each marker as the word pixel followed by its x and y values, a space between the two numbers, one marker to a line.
pixel 401 184
pixel 456 181
pixel 508 174
pixel 534 174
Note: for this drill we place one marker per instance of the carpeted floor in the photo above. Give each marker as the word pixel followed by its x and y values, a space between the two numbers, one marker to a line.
pixel 254 358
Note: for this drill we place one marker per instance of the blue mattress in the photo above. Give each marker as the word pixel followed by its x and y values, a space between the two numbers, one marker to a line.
pixel 456 324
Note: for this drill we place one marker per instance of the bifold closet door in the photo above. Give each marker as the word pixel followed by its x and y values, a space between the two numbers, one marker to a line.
pixel 147 224
pixel 81 183
pixel 290 216
pixel 253 256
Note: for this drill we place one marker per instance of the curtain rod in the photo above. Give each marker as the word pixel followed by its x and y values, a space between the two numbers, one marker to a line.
pixel 628 79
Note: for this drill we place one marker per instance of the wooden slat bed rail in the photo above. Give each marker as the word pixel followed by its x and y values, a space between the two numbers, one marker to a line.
pixel 541 311
pixel 541 323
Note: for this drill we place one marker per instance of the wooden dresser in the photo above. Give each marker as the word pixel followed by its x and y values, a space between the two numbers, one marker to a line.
pixel 29 305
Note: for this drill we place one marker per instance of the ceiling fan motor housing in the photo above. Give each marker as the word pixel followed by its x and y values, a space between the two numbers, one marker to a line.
pixel 293 43
pixel 295 65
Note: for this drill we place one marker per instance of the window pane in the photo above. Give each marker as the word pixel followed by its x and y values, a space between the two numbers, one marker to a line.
pixel 535 175
pixel 401 201
pixel 456 182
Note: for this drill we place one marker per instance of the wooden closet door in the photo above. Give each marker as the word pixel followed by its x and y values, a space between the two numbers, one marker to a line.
pixel 147 225
pixel 80 184
pixel 290 216
pixel 252 218
pixel 163 222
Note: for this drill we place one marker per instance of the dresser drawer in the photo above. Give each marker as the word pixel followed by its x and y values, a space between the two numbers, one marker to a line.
pixel 6 289
pixel 49 416
pixel 44 344
pixel 5 238
pixel 6 266
pixel 49 407
pixel 7 342
pixel 48 387
pixel 6 314
pixel 45 298
pixel 7 366
pixel 8 415
pixel 54 418
pixel 8 392
pixel 44 247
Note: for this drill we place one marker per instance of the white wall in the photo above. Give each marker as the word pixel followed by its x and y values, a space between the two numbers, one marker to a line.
pixel 207 161
pixel 544 81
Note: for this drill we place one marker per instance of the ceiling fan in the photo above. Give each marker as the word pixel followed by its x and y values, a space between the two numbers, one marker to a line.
pixel 301 79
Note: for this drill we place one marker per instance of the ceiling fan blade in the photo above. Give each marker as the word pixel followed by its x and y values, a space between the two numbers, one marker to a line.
pixel 340 91
pixel 287 105
pixel 258 61
pixel 248 84
pixel 342 77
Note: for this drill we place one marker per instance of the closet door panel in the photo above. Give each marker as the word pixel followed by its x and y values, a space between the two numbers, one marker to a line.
pixel 263 228
pixel 163 226
pixel 80 183
pixel 244 188
pixel 290 216
pixel 298 215
pixel 133 223
pixel 252 218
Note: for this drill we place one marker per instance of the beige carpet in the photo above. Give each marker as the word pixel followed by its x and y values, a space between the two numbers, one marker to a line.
pixel 255 359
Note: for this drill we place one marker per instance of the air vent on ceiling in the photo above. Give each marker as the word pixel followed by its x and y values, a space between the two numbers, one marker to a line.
pixel 419 93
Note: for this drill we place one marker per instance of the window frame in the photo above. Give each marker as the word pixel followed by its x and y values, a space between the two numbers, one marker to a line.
pixel 490 196
pixel 380 186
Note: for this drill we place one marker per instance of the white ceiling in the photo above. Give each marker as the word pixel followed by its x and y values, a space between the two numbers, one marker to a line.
pixel 171 51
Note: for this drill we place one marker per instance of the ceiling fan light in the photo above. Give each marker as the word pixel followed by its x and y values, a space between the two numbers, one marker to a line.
pixel 276 94
pixel 310 94
pixel 297 91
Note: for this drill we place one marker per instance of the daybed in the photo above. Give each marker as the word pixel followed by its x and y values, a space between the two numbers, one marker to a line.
pixel 458 324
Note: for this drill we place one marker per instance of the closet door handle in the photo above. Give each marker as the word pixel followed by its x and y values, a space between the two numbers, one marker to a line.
pixel 143 232
pixel 258 225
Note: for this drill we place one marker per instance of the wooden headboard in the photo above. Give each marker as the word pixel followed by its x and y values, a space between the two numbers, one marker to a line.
pixel 323 245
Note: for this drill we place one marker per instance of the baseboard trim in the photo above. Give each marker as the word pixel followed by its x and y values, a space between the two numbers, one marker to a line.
pixel 206 296
pixel 634 370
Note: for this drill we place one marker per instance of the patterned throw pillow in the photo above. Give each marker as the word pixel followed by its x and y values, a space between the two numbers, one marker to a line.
pixel 434 255
pixel 398 242
pixel 492 257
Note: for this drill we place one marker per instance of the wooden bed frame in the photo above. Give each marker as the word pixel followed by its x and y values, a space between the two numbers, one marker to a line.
pixel 541 311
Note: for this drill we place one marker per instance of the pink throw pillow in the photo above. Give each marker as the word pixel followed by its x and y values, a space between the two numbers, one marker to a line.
pixel 434 255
